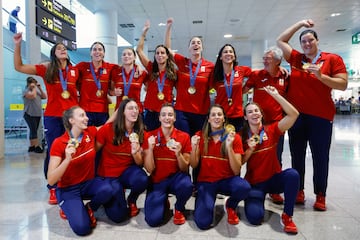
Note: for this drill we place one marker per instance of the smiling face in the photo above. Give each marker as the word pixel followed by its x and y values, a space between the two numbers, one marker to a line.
pixel 167 117
pixel 270 63
pixel 228 55
pixel 253 114
pixel 61 52
pixel 79 119
pixel 97 52
pixel 195 46
pixel 309 44
pixel 128 57
pixel 216 118
pixel 161 55
pixel 131 112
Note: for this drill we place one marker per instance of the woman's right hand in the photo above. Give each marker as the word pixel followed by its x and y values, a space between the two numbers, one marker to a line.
pixel 70 150
pixel 17 37
pixel 195 141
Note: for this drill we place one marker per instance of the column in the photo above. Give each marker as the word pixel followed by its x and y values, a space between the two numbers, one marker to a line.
pixel 33 42
pixel 2 118
pixel 106 26
pixel 257 52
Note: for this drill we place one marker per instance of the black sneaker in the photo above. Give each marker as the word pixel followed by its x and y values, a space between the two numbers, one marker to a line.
pixel 38 149
pixel 31 149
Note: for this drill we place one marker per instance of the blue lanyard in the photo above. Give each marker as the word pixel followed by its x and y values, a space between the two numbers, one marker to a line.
pixel 127 83
pixel 315 59
pixel 228 88
pixel 97 80
pixel 80 137
pixel 161 82
pixel 221 132
pixel 62 80
pixel 194 75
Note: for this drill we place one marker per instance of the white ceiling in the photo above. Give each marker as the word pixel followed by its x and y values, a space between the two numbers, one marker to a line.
pixel 249 21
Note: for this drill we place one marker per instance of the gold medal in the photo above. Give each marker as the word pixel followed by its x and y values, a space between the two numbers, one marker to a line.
pixel 160 96
pixel 192 90
pixel 306 65
pixel 171 143
pixel 134 137
pixel 256 138
pixel 65 94
pixel 74 142
pixel 229 128
pixel 125 97
pixel 99 93
pixel 230 101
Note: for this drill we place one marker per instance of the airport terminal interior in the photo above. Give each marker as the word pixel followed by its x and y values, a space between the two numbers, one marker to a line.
pixel 26 215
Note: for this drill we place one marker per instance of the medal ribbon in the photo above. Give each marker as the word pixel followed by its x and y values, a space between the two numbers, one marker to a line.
pixel 262 132
pixel 194 75
pixel 315 59
pixel 97 80
pixel 221 132
pixel 80 137
pixel 62 80
pixel 127 83
pixel 228 88
pixel 161 82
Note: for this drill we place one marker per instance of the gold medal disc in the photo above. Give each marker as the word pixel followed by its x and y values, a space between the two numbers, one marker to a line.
pixel 230 101
pixel 65 94
pixel 74 142
pixel 125 97
pixel 133 137
pixel 229 128
pixel 160 96
pixel 170 143
pixel 191 90
pixel 99 93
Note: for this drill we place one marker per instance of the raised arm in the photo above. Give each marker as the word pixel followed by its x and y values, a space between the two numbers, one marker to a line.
pixel 290 111
pixel 140 47
pixel 149 162
pixel 18 64
pixel 234 158
pixel 284 37
pixel 195 151
pixel 169 23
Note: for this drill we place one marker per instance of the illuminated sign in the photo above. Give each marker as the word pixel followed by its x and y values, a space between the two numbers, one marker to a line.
pixel 51 37
pixel 58 10
pixel 55 23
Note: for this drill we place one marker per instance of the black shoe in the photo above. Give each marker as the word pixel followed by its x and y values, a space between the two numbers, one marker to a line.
pixel 38 149
pixel 31 149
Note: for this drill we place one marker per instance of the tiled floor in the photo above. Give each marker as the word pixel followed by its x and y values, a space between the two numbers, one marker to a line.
pixel 25 214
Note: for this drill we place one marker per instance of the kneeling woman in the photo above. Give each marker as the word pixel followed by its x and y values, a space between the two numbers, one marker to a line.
pixel 218 153
pixel 263 168
pixel 166 158
pixel 72 167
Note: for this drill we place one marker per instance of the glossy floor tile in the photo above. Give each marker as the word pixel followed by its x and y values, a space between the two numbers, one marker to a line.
pixel 25 214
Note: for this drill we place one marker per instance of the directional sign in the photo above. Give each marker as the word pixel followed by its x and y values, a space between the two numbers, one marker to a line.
pixel 54 24
pixel 355 39
pixel 51 37
pixel 58 10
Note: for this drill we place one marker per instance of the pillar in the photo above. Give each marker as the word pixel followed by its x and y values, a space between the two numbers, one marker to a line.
pixel 106 26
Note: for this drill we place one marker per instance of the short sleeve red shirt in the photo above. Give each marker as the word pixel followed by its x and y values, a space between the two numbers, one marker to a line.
pixel 82 165
pixel 199 102
pixel 166 163
pixel 89 101
pixel 152 102
pixel 114 159
pixel 308 94
pixel 260 79
pixel 214 166
pixel 56 104
pixel 135 86
pixel 263 163
pixel 236 108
